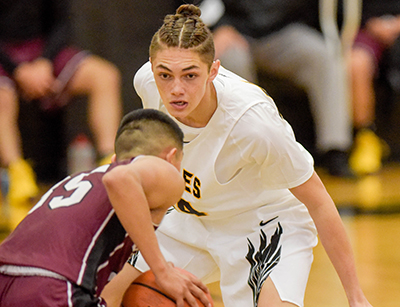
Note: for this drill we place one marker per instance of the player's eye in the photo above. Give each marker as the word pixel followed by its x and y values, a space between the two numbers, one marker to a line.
pixel 164 76
pixel 191 76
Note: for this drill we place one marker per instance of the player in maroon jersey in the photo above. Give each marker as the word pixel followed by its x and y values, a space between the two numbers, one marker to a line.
pixel 82 230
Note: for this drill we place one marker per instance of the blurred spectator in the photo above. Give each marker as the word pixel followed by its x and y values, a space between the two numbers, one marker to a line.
pixel 379 30
pixel 281 38
pixel 38 65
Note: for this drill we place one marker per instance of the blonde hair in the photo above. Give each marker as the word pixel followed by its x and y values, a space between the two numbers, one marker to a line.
pixel 185 30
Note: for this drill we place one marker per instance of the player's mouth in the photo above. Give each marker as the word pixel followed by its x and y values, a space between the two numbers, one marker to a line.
pixel 179 105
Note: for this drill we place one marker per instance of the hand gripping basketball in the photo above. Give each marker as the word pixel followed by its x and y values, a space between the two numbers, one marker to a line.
pixel 144 292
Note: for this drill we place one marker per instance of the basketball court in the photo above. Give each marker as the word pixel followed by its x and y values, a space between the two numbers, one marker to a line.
pixel 370 208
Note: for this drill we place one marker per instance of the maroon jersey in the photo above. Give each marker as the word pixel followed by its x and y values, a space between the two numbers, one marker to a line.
pixel 73 231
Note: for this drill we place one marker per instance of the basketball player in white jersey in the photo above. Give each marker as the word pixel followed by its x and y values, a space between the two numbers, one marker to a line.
pixel 253 203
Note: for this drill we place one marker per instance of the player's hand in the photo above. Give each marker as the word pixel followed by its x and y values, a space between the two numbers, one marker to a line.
pixel 35 79
pixel 182 287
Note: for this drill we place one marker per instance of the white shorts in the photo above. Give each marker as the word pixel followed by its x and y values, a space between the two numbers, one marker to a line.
pixel 241 252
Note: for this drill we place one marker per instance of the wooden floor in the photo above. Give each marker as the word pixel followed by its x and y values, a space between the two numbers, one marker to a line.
pixel 370 208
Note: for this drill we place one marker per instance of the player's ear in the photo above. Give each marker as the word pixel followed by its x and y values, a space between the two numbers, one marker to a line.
pixel 113 158
pixel 214 70
pixel 171 155
pixel 174 156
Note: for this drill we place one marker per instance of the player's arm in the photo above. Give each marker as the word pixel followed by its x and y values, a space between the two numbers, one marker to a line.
pixel 113 291
pixel 333 236
pixel 139 190
pixel 133 189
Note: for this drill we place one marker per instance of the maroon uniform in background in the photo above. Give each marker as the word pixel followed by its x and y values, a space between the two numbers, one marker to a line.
pixel 30 29
pixel 72 231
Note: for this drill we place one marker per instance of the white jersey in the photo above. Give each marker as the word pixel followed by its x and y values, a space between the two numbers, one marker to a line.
pixel 237 205
pixel 246 156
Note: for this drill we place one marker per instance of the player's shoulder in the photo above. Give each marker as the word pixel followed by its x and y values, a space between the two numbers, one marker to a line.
pixel 143 71
pixel 240 88
pixel 143 76
pixel 146 167
pixel 145 86
pixel 153 163
pixel 157 171
pixel 260 122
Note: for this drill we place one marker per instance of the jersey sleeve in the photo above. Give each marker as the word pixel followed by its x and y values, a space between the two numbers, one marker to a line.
pixel 265 138
pixel 145 86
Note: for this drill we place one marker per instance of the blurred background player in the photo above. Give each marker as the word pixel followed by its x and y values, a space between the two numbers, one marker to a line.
pixel 37 65
pixel 380 29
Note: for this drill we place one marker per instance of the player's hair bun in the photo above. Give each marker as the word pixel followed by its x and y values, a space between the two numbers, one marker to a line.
pixel 188 10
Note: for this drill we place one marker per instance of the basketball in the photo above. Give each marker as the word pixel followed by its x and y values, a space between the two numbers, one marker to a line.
pixel 144 292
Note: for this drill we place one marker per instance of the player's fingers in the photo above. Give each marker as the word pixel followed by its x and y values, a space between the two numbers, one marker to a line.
pixel 198 283
pixel 191 300
pixel 201 295
pixel 180 303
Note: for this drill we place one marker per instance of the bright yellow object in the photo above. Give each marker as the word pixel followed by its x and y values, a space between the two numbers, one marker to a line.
pixel 22 183
pixel 366 157
pixel 105 160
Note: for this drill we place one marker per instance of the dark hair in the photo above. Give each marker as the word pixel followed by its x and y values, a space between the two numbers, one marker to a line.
pixel 146 132
pixel 185 30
